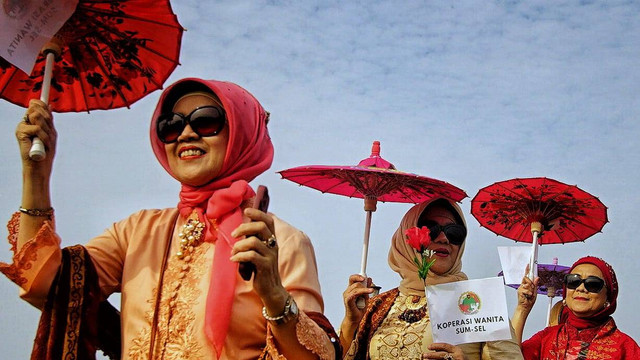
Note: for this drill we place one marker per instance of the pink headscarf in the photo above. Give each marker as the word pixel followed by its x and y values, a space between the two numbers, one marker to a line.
pixel 249 153
pixel 401 254
pixel 611 283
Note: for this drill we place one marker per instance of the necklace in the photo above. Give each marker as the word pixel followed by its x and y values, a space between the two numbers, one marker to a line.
pixel 189 238
pixel 416 309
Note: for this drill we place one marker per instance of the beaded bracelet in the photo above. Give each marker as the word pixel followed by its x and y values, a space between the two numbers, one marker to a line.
pixel 285 312
pixel 290 312
pixel 48 212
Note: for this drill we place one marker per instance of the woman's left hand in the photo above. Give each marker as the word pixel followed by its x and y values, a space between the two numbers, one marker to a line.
pixel 260 247
pixel 444 351
pixel 527 292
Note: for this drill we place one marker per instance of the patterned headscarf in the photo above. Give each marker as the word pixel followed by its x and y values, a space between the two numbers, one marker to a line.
pixel 249 153
pixel 401 254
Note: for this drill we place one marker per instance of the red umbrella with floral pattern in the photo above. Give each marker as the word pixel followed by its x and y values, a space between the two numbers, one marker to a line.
pixel 539 211
pixel 373 179
pixel 109 54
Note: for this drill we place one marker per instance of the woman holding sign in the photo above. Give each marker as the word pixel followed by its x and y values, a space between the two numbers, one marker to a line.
pixel 396 324
pixel 587 330
pixel 177 268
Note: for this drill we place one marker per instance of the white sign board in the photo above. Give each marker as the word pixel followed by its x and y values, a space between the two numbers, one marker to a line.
pixel 27 25
pixel 468 311
pixel 514 260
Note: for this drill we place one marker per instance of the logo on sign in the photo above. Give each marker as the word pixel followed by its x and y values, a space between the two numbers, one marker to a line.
pixel 15 8
pixel 469 303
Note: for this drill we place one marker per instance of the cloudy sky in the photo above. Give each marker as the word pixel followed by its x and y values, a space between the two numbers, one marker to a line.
pixel 468 92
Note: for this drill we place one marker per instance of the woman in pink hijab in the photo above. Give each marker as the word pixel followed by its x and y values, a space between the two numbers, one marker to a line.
pixel 177 268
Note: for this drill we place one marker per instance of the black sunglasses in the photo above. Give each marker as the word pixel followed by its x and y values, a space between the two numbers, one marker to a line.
pixel 592 283
pixel 455 233
pixel 204 120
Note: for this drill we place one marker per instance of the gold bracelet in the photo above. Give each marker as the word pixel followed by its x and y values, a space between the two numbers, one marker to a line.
pixel 48 212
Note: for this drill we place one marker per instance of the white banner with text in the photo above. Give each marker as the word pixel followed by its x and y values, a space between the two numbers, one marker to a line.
pixel 469 311
pixel 27 25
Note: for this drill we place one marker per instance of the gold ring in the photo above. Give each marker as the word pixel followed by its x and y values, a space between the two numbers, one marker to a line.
pixel 271 242
pixel 448 357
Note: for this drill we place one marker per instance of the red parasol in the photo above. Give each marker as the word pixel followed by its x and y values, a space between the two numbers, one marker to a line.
pixel 109 55
pixel 553 212
pixel 373 179
pixel 551 281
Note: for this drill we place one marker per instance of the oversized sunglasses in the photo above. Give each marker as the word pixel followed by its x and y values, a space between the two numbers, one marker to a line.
pixel 204 120
pixel 592 283
pixel 455 233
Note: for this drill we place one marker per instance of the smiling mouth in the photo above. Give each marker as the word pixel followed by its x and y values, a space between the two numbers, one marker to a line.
pixel 580 299
pixel 441 252
pixel 190 153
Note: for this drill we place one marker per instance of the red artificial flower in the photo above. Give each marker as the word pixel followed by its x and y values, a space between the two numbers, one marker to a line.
pixel 418 238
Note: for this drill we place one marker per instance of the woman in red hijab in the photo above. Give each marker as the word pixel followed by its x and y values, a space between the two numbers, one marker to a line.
pixel 587 330
pixel 177 268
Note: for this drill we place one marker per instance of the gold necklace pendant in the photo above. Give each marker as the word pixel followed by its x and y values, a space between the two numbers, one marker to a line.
pixel 189 237
pixel 415 302
pixel 416 309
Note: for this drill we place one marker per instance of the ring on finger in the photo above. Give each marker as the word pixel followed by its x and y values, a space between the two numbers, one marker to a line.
pixel 271 241
pixel 448 357
pixel 25 118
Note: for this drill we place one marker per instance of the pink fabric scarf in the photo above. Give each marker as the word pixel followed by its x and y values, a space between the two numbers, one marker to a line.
pixel 249 153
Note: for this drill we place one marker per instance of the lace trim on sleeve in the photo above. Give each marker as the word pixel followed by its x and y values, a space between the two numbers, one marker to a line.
pixel 309 334
pixel 24 259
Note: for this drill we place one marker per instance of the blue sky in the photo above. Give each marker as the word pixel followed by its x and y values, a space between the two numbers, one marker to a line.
pixel 468 92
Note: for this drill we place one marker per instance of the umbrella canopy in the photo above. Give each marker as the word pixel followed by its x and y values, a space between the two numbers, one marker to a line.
pixel 551 211
pixel 374 177
pixel 550 284
pixel 566 213
pixel 551 279
pixel 112 53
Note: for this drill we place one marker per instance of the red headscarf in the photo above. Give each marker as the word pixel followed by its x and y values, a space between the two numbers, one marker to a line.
pixel 249 153
pixel 611 283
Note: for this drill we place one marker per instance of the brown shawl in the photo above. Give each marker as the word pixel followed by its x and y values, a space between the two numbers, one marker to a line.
pixel 68 327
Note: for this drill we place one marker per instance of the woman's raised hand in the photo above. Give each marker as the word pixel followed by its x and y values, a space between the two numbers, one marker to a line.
pixel 37 121
pixel 355 290
pixel 527 292
pixel 526 299
pixel 353 314
pixel 260 247
pixel 36 175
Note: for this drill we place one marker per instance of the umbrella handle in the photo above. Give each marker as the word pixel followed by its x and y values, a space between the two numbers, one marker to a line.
pixel 37 151
pixel 365 245
pixel 536 227
pixel 360 301
pixel 549 310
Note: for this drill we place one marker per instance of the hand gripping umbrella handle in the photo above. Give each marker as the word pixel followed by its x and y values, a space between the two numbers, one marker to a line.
pixel 37 151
